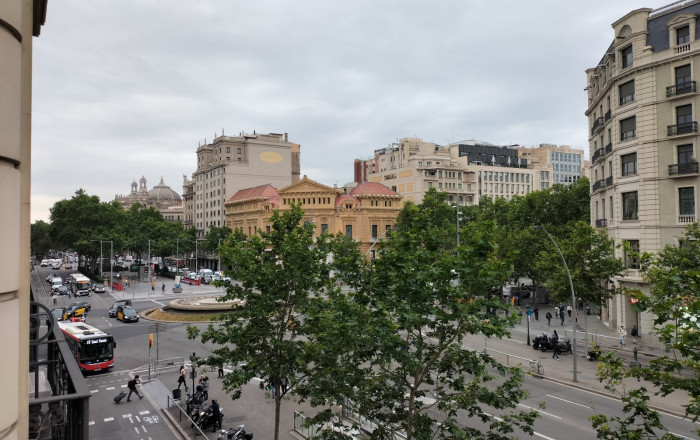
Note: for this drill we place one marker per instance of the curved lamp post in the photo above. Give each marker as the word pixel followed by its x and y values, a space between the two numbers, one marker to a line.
pixel 573 296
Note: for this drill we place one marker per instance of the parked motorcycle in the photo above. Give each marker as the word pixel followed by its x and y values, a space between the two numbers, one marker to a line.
pixel 544 343
pixel 237 433
pixel 594 353
pixel 204 418
pixel 195 399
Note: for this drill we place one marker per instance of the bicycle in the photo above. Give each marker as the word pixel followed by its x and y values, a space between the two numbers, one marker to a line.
pixel 537 368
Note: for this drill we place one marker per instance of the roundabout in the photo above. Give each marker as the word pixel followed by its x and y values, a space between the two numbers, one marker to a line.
pixel 193 309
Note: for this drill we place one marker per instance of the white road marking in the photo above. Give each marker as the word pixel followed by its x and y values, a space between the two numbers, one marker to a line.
pixel 94 391
pixel 109 419
pixel 144 429
pixel 539 411
pixel 144 412
pixel 568 401
pixel 136 428
pixel 543 436
pixel 92 422
pixel 679 435
pixel 138 419
pixel 109 388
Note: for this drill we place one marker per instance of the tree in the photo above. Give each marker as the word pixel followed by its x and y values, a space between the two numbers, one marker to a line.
pixel 674 298
pixel 283 278
pixel 215 237
pixel 590 256
pixel 421 297
pixel 40 238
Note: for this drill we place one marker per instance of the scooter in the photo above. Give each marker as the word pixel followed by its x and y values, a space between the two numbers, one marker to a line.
pixel 237 433
pixel 594 354
pixel 203 418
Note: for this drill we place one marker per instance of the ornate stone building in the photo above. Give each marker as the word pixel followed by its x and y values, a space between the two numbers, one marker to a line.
pixel 365 213
pixel 161 197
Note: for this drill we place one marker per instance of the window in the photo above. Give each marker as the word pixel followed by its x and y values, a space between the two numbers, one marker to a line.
pixel 348 230
pixel 683 35
pixel 632 254
pixel 628 128
pixel 626 93
pixel 324 228
pixel 629 164
pixel 682 77
pixel 629 206
pixel 374 231
pixel 626 56
pixel 684 116
pixel 685 153
pixel 686 200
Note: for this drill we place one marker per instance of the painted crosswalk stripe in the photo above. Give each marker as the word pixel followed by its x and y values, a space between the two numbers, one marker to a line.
pixel 144 413
pixel 109 419
pixel 109 388
pixel 94 391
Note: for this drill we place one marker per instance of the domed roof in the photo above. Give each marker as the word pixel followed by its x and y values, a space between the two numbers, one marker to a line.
pixel 162 193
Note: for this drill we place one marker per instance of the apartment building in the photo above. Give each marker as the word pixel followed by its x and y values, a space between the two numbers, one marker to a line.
pixel 231 163
pixel 364 213
pixel 642 107
pixel 556 164
pixel 466 170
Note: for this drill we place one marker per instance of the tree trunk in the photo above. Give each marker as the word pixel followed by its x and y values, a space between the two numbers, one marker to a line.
pixel 278 401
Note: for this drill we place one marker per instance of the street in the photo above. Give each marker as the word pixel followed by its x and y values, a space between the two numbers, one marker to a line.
pixel 564 416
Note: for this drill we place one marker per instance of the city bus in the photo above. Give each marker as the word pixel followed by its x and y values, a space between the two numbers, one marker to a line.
pixel 80 284
pixel 92 348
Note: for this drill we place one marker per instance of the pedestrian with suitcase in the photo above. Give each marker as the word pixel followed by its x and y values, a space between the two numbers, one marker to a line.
pixel 132 388
pixel 119 397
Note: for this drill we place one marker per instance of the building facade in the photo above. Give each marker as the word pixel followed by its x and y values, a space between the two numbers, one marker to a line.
pixel 365 213
pixel 642 107
pixel 555 164
pixel 231 163
pixel 161 198
pixel 466 171
pixel 20 20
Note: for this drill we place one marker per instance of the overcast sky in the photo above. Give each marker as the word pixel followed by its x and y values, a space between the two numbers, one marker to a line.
pixel 130 88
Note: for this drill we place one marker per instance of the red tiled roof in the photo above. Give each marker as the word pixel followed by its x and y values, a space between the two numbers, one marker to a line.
pixel 258 191
pixel 343 197
pixel 373 188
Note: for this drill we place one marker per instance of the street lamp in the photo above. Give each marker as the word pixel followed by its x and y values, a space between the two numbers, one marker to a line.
pixel 377 240
pixel 573 296
pixel 111 253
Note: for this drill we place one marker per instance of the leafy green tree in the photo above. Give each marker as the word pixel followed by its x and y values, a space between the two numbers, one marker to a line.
pixel 41 242
pixel 422 296
pixel 283 278
pixel 674 298
pixel 590 256
pixel 214 237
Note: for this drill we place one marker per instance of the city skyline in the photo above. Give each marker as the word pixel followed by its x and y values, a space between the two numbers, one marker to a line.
pixel 132 88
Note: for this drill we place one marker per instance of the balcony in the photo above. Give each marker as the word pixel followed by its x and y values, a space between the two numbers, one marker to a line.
pixel 601 223
pixel 597 186
pixel 608 149
pixel 686 219
pixel 597 125
pixel 608 115
pixel 597 155
pixel 680 169
pixel 684 128
pixel 608 181
pixel 680 89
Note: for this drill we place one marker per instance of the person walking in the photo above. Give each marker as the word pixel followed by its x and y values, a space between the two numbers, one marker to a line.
pixel 284 384
pixel 634 332
pixel 55 298
pixel 561 315
pixel 568 310
pixel 622 332
pixel 556 311
pixel 221 372
pixel 549 318
pixel 537 313
pixel 162 290
pixel 132 388
pixel 181 378
pixel 153 288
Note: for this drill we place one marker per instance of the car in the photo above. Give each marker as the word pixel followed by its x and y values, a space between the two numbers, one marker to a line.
pixel 69 266
pixel 98 288
pixel 127 313
pixel 79 304
pixel 57 313
pixel 115 306
pixel 61 290
pixel 49 277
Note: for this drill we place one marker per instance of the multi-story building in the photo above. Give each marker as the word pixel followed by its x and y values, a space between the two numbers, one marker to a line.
pixel 556 164
pixel 642 107
pixel 161 198
pixel 466 170
pixel 231 163
pixel 364 213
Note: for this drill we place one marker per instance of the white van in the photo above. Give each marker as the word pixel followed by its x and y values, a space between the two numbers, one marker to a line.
pixel 55 282
pixel 206 275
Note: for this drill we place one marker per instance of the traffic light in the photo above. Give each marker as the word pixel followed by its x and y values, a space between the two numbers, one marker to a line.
pixel 150 340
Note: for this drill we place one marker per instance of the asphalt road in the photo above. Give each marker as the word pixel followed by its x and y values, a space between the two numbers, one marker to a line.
pixel 564 410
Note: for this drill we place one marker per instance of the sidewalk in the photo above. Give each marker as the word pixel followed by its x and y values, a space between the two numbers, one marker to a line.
pixel 562 371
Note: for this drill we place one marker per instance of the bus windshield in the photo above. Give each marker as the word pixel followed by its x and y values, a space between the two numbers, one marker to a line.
pixel 96 349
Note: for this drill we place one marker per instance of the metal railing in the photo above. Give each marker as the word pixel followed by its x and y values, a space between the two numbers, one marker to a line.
pixel 678 169
pixel 163 365
pixel 601 223
pixel 683 128
pixel 196 430
pixel 58 400
pixel 680 89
